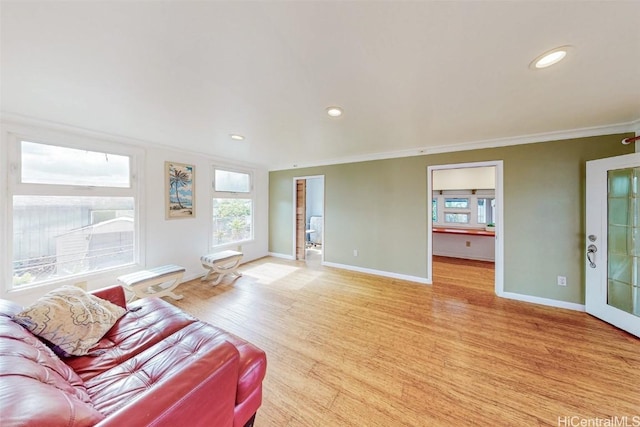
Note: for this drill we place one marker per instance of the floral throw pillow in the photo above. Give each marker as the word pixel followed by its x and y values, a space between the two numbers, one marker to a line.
pixel 70 318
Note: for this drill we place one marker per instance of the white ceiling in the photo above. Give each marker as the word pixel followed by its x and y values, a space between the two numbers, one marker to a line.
pixel 411 76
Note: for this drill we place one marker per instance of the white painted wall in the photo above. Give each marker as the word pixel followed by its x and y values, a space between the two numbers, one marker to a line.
pixel 187 239
pixel 177 241
pixel 455 245
pixel 465 179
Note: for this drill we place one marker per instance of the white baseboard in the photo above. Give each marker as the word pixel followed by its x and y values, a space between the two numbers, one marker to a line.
pixel 283 256
pixel 416 279
pixel 509 295
pixel 191 276
pixel 543 301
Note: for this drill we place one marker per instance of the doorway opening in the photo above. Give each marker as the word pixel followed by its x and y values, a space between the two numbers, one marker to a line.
pixel 308 233
pixel 465 219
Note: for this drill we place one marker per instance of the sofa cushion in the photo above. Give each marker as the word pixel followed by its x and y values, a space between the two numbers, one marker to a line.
pixel 148 321
pixel 36 387
pixel 184 358
pixel 70 318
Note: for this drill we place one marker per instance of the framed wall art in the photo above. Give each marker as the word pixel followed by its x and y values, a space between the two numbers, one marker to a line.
pixel 180 197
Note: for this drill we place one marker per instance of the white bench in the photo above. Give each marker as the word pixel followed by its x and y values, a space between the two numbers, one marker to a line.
pixel 221 263
pixel 155 282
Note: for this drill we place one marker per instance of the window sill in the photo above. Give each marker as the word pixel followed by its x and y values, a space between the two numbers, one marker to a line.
pixel 232 245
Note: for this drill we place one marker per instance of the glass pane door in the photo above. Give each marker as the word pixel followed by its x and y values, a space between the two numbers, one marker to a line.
pixel 612 241
pixel 623 206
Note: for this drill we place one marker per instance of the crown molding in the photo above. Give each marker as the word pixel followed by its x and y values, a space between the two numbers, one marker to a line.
pixel 632 126
pixel 20 120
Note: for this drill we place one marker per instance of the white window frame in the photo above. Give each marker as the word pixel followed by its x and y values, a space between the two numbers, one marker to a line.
pixel 17 188
pixel 471 210
pixel 232 195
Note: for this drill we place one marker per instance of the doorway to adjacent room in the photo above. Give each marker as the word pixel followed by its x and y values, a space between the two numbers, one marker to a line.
pixel 465 216
pixel 309 218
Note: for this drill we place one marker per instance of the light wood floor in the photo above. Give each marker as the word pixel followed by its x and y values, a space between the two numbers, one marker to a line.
pixel 350 349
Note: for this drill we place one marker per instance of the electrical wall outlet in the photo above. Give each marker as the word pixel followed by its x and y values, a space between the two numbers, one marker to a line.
pixel 355 252
pixel 468 244
pixel 562 281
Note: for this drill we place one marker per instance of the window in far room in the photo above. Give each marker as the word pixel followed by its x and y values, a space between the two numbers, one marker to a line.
pixel 486 210
pixel 73 212
pixel 232 206
pixel 463 208
pixel 434 210
pixel 456 202
pixel 456 218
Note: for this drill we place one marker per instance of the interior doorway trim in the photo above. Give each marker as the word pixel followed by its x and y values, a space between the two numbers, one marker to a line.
pixel 499 195
pixel 294 199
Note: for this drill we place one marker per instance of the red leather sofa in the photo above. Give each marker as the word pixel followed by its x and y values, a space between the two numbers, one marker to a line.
pixel 156 366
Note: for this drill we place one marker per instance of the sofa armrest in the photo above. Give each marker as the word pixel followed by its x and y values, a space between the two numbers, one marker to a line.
pixel 115 294
pixel 9 308
pixel 196 389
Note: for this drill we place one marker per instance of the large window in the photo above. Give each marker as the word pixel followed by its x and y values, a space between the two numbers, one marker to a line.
pixel 463 208
pixel 232 207
pixel 73 212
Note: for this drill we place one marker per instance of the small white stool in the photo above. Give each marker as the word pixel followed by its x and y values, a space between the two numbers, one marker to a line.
pixel 222 264
pixel 155 282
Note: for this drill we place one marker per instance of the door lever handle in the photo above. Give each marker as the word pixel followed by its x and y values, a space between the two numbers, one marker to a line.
pixel 591 250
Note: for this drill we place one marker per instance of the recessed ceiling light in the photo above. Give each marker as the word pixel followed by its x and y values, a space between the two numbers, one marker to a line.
pixel 236 137
pixel 549 58
pixel 334 111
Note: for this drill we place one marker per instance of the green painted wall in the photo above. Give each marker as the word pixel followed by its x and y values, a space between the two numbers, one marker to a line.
pixel 380 208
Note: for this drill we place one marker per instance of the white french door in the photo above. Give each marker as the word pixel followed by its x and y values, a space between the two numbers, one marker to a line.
pixel 612 243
